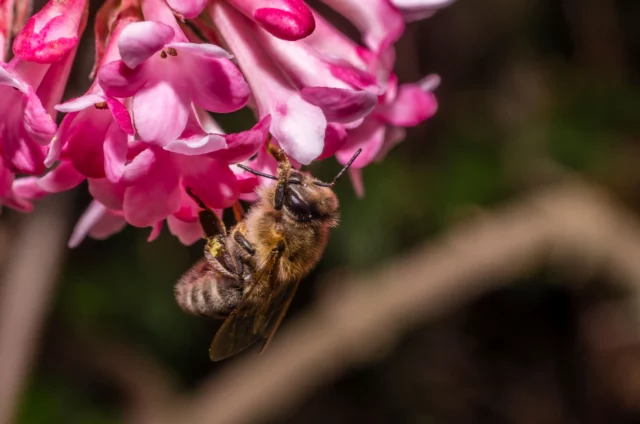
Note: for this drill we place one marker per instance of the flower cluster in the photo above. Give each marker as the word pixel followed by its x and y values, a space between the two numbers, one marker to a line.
pixel 143 132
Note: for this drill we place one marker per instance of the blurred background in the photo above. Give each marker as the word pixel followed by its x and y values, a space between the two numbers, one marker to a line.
pixel 532 90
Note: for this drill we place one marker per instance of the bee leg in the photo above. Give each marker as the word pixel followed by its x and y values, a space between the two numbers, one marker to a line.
pixel 244 243
pixel 284 169
pixel 211 224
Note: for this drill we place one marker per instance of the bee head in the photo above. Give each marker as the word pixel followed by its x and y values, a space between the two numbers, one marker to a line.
pixel 302 196
pixel 305 201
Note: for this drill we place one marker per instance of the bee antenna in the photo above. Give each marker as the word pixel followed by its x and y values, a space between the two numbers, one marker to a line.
pixel 342 171
pixel 253 171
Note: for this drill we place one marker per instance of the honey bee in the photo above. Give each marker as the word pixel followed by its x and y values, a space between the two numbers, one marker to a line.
pixel 250 272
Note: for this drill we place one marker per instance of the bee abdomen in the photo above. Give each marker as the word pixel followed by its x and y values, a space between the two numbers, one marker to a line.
pixel 203 292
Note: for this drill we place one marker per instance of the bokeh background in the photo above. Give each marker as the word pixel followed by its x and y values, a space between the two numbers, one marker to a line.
pixel 531 90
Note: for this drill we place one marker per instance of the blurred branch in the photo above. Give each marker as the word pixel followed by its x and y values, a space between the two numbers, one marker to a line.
pixel 26 289
pixel 366 314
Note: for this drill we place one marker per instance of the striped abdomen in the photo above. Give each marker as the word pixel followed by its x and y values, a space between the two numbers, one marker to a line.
pixel 205 292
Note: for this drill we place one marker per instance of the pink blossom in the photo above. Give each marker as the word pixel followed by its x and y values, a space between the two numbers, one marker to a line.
pixel 142 133
pixel 286 19
pixel 153 185
pixel 164 74
pixel 405 106
pixel 53 32
pixel 30 90
pixel 292 118
pixel 94 134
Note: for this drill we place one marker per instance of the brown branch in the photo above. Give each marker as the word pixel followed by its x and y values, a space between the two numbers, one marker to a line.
pixel 364 315
pixel 25 293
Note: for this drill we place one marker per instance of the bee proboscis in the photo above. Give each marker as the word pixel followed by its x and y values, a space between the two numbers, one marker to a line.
pixel 250 272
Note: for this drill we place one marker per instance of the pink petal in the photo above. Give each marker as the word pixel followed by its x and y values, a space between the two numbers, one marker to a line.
pixel 86 137
pixel 115 152
pixel 9 79
pixel 37 122
pixel 340 105
pixel 247 183
pixel 91 216
pixel 121 115
pixel 393 136
pixel 61 137
pixel 356 77
pixel 411 106
pixel 109 194
pixel 24 191
pixel 156 230
pixel 109 225
pixel 20 151
pixel 241 146
pixel 118 80
pixel 160 112
pixel 155 195
pixel 159 11
pixel 380 23
pixel 188 210
pixel 308 68
pixel 54 82
pixel 187 232
pixel 140 40
pixel 51 33
pixel 369 137
pixel 216 85
pixel 98 222
pixel 299 127
pixel 334 139
pixel 79 103
pixel 197 145
pixel 187 8
pixel 212 181
pixel 203 49
pixel 413 10
pixel 64 177
pixel 287 19
pixel 141 165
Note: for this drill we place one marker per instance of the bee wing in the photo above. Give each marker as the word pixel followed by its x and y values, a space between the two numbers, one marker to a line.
pixel 288 293
pixel 257 316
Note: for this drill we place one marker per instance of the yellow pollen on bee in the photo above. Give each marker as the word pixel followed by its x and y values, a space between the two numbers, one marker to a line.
pixel 163 54
pixel 101 105
pixel 214 247
pixel 172 51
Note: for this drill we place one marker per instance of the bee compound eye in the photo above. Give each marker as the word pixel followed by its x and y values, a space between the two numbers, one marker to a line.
pixel 297 206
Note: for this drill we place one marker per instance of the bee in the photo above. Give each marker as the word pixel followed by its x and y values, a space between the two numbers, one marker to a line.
pixel 250 273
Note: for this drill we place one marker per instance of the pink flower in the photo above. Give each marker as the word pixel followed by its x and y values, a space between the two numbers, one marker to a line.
pixel 142 133
pixel 164 74
pixel 405 106
pixel 286 19
pixel 314 89
pixel 30 90
pixel 94 134
pixel 53 32
pixel 298 126
pixel 153 187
